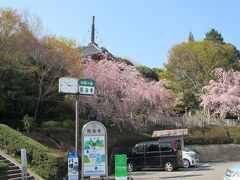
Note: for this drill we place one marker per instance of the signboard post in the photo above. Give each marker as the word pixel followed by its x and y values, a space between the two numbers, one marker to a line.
pixel 76 86
pixel 94 150
pixel 121 167
pixel 24 163
pixel 73 165
pixel 77 124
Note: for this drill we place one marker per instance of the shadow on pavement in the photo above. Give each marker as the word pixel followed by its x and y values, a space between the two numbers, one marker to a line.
pixel 195 168
pixel 150 171
pixel 184 176
pixel 142 173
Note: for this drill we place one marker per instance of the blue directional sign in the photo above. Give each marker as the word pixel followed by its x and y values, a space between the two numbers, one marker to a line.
pixel 73 166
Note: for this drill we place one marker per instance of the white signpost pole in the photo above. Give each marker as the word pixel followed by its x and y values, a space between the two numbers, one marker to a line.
pixel 24 163
pixel 77 125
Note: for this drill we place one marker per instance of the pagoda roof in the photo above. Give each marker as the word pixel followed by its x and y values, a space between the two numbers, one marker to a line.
pixel 91 49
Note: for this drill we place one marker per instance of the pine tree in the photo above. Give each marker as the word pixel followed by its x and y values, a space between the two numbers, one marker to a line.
pixel 190 37
pixel 214 35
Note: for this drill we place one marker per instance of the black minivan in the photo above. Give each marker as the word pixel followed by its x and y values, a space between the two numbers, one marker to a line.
pixel 156 154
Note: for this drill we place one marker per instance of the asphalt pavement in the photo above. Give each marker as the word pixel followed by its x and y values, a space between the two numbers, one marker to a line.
pixel 205 171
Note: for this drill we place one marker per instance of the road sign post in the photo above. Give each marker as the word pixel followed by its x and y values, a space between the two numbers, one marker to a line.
pixel 77 125
pixel 79 87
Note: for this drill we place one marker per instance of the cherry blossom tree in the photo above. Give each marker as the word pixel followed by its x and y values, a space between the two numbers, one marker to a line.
pixel 221 97
pixel 123 93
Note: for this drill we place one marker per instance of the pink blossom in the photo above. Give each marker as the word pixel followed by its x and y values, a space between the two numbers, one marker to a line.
pixel 122 90
pixel 222 96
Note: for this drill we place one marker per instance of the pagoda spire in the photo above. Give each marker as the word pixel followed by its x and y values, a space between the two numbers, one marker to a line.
pixel 93 31
pixel 92 47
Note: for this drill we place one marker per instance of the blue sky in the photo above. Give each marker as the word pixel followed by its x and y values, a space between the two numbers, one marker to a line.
pixel 141 30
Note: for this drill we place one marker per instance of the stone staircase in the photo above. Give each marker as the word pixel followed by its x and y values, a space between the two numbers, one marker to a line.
pixel 13 171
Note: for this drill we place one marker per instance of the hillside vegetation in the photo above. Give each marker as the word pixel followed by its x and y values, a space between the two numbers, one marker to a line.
pixel 46 164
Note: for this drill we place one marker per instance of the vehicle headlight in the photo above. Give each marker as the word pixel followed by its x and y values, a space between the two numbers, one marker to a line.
pixel 236 174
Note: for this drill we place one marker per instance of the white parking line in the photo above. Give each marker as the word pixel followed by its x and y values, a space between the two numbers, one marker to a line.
pixel 190 172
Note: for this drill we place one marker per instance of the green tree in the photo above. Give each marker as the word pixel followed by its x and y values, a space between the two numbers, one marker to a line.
pixel 190 37
pixel 28 123
pixel 16 83
pixel 214 35
pixel 148 73
pixel 190 64
pixel 190 100
pixel 30 67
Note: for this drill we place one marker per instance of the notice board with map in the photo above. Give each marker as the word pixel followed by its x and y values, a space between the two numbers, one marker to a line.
pixel 94 150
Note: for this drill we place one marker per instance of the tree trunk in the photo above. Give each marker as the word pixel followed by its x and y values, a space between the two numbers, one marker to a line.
pixel 208 113
pixel 38 99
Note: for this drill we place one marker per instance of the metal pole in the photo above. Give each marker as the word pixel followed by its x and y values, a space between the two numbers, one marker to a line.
pixel 77 125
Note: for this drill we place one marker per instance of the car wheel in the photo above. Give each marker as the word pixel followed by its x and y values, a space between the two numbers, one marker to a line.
pixel 168 166
pixel 130 167
pixel 186 163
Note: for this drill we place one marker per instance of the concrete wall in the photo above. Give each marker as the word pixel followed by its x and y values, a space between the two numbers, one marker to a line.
pixel 222 152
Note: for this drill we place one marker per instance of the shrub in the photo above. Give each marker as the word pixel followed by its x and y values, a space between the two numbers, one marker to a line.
pixel 234 133
pixel 208 140
pixel 51 124
pixel 213 135
pixel 47 165
pixel 3 166
pixel 236 140
pixel 68 124
pixel 28 123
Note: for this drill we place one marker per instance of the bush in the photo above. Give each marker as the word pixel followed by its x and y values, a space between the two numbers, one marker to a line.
pixel 28 123
pixel 68 124
pixel 51 124
pixel 234 133
pixel 236 140
pixel 207 140
pixel 3 166
pixel 213 135
pixel 47 165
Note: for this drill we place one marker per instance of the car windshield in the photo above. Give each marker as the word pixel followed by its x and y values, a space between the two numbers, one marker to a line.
pixel 138 149
pixel 186 149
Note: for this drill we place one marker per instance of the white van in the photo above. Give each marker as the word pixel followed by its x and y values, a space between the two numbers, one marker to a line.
pixel 190 158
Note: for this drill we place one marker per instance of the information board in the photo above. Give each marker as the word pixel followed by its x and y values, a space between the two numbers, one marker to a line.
pixel 94 155
pixel 94 150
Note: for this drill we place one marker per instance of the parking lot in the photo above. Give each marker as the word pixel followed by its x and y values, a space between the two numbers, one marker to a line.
pixel 205 171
